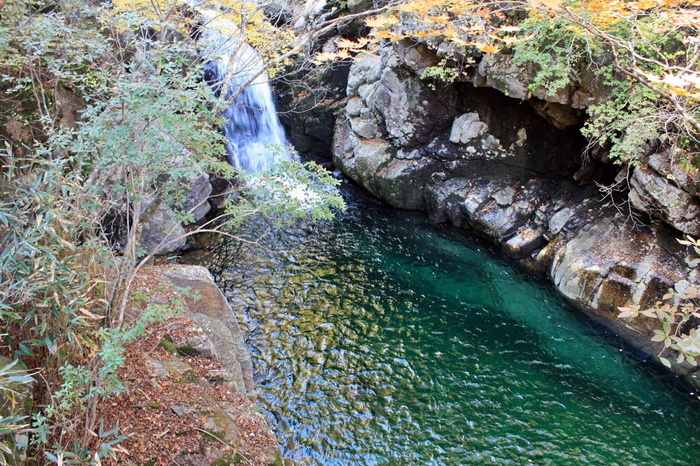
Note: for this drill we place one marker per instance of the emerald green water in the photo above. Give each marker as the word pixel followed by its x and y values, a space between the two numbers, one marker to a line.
pixel 378 339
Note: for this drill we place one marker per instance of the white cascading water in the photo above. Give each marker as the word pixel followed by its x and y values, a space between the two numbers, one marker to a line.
pixel 255 137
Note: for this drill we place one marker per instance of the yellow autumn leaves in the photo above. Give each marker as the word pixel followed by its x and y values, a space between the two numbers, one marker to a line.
pixel 483 25
pixel 491 26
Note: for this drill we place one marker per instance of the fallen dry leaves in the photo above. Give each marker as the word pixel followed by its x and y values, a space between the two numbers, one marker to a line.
pixel 146 412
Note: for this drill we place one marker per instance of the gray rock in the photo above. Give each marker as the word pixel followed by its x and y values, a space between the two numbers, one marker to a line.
pixel 416 56
pixel 440 193
pixel 526 240
pixel 559 115
pixel 209 309
pixel 604 266
pixel 366 129
pixel 499 222
pixel 196 193
pixel 160 232
pixel 505 196
pixel 354 106
pixel 467 127
pixel 688 181
pixel 656 195
pixel 366 70
pixel 402 181
pixel 560 219
pixel 159 369
pixel 358 6
pixel 182 410
pixel 497 71
pixel 318 129
pixel 358 158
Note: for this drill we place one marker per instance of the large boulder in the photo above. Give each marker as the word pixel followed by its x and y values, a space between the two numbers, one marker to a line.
pixel 499 71
pixel 160 231
pixel 397 130
pixel 594 255
pixel 194 195
pixel 394 102
pixel 202 355
pixel 223 339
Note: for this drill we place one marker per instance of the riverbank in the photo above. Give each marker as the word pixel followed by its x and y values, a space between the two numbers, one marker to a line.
pixel 190 395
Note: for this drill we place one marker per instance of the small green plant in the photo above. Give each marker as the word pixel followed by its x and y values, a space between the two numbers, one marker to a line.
pixel 442 73
pixel 554 51
pixel 627 123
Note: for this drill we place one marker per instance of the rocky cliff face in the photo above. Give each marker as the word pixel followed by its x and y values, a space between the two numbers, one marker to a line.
pixel 505 164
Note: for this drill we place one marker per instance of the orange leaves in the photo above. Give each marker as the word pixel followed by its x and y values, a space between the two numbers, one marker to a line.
pixel 546 4
pixel 684 84
pixel 325 57
pixel 382 22
pixel 688 19
pixel 483 25
pixel 345 49
pixel 604 14
pixel 352 45
pixel 487 48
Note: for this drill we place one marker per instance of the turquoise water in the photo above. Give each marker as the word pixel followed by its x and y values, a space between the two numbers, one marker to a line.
pixel 378 339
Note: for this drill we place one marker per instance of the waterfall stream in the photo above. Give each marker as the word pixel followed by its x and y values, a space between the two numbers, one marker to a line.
pixel 255 137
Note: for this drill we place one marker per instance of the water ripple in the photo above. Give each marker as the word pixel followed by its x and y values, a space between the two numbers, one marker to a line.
pixel 378 340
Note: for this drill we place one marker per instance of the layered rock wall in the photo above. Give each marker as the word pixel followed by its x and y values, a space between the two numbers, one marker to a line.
pixel 505 163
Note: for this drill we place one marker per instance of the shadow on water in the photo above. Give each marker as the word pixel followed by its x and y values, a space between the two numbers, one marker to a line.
pixel 379 339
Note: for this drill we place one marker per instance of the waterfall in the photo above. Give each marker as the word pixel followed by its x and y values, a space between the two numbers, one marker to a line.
pixel 255 139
